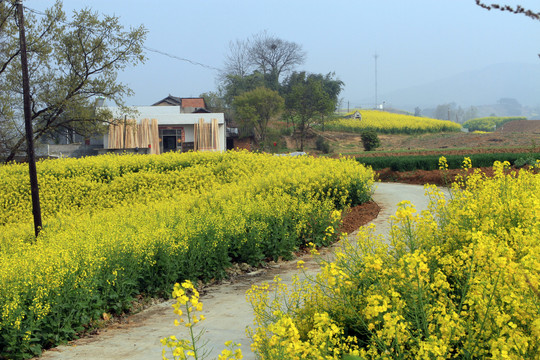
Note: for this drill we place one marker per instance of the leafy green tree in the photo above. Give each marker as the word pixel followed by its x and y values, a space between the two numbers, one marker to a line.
pixel 214 101
pixel 235 85
pixel 71 63
pixel 309 97
pixel 255 108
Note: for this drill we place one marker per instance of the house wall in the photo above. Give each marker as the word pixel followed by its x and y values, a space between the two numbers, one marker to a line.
pixel 70 150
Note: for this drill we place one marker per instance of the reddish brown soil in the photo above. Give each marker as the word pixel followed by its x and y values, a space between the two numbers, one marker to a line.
pixel 358 216
pixel 531 126
pixel 421 177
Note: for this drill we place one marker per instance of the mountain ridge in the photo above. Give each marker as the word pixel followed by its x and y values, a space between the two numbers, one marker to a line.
pixel 520 81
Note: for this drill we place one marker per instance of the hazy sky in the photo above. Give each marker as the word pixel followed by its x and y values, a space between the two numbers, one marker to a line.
pixel 417 41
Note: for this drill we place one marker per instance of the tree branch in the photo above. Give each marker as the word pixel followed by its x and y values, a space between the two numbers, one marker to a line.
pixel 516 10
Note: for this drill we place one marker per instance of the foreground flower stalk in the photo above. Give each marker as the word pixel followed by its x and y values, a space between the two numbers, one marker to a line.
pixel 186 307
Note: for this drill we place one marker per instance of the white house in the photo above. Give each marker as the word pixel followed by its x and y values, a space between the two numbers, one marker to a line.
pixel 163 127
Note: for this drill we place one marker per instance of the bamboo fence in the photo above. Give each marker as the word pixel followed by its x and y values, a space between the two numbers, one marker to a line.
pixel 127 134
pixel 206 136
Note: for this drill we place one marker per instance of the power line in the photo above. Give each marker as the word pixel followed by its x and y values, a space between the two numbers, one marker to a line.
pixel 181 58
pixel 196 63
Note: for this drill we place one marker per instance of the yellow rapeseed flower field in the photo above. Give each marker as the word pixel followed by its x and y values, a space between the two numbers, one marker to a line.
pixel 118 226
pixel 391 123
pixel 460 281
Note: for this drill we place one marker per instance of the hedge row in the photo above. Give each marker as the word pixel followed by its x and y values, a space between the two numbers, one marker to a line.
pixel 431 162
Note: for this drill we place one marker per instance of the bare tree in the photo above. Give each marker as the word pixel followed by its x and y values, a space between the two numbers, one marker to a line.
pixel 273 56
pixel 261 55
pixel 237 61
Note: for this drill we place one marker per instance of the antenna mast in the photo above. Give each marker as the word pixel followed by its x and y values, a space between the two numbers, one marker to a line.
pixel 376 56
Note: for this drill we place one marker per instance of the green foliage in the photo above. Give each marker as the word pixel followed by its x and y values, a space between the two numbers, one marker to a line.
pixel 255 109
pixel 322 145
pixel 370 140
pixel 236 85
pixel 489 123
pixel 523 161
pixel 214 101
pixel 308 96
pixel 71 63
pixel 430 162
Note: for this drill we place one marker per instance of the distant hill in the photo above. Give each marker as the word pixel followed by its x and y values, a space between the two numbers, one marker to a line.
pixel 479 87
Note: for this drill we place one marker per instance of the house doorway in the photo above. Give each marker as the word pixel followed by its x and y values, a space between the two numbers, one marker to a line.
pixel 170 139
pixel 169 143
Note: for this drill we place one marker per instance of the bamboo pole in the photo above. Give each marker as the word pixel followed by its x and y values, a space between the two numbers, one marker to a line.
pixel 155 137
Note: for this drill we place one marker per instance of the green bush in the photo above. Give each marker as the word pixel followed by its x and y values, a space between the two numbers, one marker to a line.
pixel 431 162
pixel 522 161
pixel 322 145
pixel 370 140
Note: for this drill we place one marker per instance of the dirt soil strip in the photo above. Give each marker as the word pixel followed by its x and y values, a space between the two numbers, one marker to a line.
pixel 226 310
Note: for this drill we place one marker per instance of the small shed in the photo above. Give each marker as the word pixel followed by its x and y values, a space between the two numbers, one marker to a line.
pixel 355 115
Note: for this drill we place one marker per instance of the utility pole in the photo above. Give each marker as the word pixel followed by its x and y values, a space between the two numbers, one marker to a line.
pixel 34 188
pixel 125 131
pixel 376 56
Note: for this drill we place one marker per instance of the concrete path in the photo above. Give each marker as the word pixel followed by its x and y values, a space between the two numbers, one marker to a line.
pixel 226 310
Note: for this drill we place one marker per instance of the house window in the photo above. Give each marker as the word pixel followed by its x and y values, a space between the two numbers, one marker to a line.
pixel 170 139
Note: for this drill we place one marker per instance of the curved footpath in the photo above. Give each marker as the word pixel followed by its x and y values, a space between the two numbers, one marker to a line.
pixel 226 310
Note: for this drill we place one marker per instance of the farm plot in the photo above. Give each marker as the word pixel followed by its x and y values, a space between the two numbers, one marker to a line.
pixel 119 226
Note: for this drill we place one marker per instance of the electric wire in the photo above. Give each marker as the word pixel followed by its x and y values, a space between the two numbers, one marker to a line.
pixel 179 58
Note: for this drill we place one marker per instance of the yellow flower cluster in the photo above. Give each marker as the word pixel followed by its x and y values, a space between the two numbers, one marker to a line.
pixel 187 303
pixel 118 226
pixel 460 281
pixel 305 335
pixel 391 123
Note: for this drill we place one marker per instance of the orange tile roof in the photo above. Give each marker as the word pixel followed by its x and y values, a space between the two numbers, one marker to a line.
pixel 193 102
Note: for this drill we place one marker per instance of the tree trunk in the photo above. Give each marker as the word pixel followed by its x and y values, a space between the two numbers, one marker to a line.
pixel 13 151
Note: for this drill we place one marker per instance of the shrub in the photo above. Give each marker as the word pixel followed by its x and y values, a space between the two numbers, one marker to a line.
pixel 370 140
pixel 322 145
pixel 522 161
